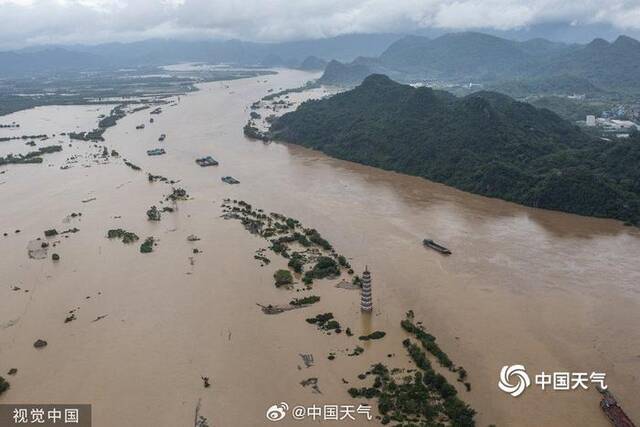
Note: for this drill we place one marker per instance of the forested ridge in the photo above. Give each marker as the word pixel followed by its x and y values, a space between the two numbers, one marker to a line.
pixel 485 143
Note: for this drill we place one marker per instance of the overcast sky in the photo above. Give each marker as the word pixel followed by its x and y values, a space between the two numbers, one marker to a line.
pixel 29 22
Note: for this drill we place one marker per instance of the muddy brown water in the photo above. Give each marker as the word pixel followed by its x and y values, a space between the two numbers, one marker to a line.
pixel 553 291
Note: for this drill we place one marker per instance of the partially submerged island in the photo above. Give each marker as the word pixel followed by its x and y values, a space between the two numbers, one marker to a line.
pixel 30 157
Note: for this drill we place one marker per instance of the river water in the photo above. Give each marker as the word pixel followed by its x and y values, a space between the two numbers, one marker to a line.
pixel 552 291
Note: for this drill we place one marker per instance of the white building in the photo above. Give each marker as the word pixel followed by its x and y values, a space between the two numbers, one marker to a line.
pixel 591 120
pixel 625 124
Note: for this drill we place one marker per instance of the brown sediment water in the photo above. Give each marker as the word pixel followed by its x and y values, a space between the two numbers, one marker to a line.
pixel 552 291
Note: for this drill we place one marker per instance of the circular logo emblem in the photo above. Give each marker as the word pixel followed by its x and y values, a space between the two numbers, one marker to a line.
pixel 513 380
pixel 277 412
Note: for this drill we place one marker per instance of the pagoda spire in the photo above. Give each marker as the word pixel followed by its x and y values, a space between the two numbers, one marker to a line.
pixel 366 304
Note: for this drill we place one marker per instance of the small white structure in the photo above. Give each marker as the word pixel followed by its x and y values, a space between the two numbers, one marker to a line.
pixel 591 121
pixel 366 304
pixel 624 124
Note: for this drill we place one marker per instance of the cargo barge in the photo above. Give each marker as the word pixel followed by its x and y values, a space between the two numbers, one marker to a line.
pixel 207 161
pixel 156 152
pixel 610 407
pixel 436 247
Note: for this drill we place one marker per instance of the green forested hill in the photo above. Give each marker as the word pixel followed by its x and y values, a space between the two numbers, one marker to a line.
pixel 337 73
pixel 485 143
pixel 613 66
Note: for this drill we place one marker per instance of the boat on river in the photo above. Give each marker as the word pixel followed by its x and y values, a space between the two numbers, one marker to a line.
pixel 436 247
pixel 156 152
pixel 613 411
pixel 207 161
pixel 230 180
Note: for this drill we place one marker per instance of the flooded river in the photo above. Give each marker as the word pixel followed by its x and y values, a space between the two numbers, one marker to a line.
pixel 551 291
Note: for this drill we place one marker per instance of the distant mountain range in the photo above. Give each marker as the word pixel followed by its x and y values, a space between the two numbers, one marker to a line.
pixel 485 143
pixel 164 52
pixel 482 58
pixel 313 63
pixel 514 67
pixel 50 59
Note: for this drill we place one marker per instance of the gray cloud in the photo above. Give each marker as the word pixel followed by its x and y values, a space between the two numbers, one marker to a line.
pixel 28 22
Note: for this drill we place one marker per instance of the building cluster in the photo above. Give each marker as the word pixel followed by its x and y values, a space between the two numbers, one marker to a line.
pixel 614 127
pixel 623 112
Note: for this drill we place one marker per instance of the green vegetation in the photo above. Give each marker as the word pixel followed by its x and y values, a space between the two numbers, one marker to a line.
pixel 115 114
pixel 30 157
pixel 316 238
pixel 422 399
pixel 372 336
pixel 357 281
pixel 55 257
pixel 324 267
pixel 484 143
pixel 286 235
pixel 119 233
pixel 131 165
pixel 4 385
pixel 250 131
pixel 177 194
pixel 155 178
pixel 69 84
pixel 147 246
pixel 259 255
pixel 153 214
pixel 337 73
pixel 570 109
pixel 283 278
pixel 356 351
pixel 538 64
pixel 311 299
pixel 325 322
pixel 428 342
pixel 307 86
pixel 459 412
pixel 548 85
pixel 93 135
pixel 342 260
pixel 42 137
pixel 296 262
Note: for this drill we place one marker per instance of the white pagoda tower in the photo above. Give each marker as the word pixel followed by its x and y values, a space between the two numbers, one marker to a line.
pixel 366 303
